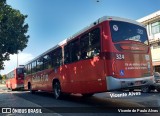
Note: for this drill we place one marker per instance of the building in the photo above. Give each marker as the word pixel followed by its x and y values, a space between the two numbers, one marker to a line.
pixel 152 23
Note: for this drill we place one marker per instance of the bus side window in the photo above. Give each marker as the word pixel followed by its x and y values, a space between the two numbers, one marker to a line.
pixel 50 60
pixel 27 69
pixel 40 64
pixel 34 66
pixel 74 50
pixel 57 57
pixel 90 44
pixel 47 61
pixel 30 68
pixel 66 54
pixel 95 41
pixel 84 44
pixel 71 52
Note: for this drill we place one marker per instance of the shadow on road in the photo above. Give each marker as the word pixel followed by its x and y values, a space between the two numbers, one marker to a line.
pixel 46 99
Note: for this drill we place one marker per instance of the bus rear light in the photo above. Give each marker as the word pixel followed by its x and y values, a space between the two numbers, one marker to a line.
pixel 63 77
pixel 113 67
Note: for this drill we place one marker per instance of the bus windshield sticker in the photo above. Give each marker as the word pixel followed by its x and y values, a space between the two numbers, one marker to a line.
pixel 115 27
pixel 147 57
pixel 122 72
pixel 140 31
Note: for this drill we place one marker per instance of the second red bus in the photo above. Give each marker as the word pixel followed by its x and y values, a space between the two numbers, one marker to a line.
pixel 15 79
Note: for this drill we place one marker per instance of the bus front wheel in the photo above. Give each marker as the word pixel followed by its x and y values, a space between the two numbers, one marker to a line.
pixel 57 90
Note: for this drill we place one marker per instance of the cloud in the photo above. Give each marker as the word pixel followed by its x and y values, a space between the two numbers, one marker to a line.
pixel 12 63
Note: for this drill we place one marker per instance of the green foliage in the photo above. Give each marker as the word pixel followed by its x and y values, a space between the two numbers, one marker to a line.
pixel 13 31
pixel 3 77
pixel 0 77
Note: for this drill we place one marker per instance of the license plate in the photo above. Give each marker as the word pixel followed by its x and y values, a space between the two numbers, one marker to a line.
pixel 137 83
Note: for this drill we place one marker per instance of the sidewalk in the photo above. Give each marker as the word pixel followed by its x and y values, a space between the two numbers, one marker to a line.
pixel 2 85
pixel 2 88
pixel 9 100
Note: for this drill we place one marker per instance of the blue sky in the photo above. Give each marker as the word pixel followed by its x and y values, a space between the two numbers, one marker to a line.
pixel 51 21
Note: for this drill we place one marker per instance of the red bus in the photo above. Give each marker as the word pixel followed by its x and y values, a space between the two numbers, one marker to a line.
pixel 112 53
pixel 15 78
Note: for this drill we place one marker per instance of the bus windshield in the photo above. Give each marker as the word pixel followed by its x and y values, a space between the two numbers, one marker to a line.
pixel 20 71
pixel 123 31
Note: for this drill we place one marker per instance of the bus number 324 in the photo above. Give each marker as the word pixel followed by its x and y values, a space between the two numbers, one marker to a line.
pixel 120 56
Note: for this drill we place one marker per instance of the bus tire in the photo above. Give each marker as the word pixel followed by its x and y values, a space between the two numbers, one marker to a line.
pixel 57 90
pixel 30 88
pixel 11 89
pixel 158 90
pixel 88 94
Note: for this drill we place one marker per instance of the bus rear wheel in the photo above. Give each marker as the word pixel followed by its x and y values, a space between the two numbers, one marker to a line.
pixel 158 89
pixel 57 90
pixel 12 89
pixel 30 88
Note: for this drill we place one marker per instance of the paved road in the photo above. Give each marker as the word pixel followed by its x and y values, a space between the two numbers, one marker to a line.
pixel 77 103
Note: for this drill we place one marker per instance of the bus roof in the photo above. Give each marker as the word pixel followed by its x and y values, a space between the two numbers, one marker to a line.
pixel 120 19
pixel 100 20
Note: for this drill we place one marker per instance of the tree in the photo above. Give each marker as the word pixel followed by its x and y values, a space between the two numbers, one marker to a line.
pixel 3 77
pixel 13 32
pixel 0 77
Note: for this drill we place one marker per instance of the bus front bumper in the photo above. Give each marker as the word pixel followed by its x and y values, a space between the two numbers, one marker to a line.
pixel 123 83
